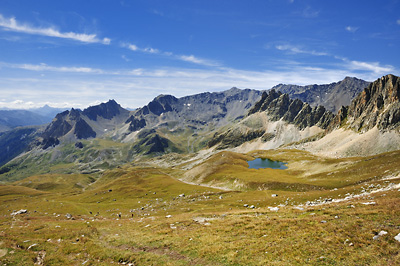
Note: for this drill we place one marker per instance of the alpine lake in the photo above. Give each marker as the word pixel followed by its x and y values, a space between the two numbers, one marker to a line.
pixel 261 163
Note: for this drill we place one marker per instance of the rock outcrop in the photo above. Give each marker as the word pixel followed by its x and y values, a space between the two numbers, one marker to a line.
pixel 377 105
pixel 279 106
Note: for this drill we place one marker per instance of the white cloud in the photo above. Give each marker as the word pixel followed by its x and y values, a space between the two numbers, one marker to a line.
pixel 132 47
pixel 187 58
pixel 398 21
pixel 44 67
pixel 151 50
pixel 350 65
pixel 196 60
pixel 351 29
pixel 297 50
pixel 375 67
pixel 11 24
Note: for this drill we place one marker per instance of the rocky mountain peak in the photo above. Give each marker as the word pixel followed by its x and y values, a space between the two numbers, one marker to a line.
pixel 160 104
pixel 377 105
pixel 105 110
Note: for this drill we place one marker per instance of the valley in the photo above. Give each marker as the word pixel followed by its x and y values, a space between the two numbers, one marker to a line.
pixel 170 183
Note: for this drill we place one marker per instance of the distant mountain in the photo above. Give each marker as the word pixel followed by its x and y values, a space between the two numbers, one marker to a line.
pixel 10 119
pixel 332 96
pixel 47 111
pixel 75 124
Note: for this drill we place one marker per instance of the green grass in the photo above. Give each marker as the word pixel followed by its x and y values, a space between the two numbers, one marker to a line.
pixel 121 215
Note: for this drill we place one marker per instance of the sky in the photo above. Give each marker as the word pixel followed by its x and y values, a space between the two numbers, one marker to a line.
pixel 81 53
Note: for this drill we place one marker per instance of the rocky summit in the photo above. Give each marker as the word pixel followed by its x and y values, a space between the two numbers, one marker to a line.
pixel 377 105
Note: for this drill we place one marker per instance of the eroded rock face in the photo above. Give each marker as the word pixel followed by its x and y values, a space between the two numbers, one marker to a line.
pixel 280 106
pixel 378 105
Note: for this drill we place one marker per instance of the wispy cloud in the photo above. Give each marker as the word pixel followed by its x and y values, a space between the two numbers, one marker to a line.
pixel 375 67
pixel 196 60
pixel 350 65
pixel 11 24
pixel 398 22
pixel 351 29
pixel 297 50
pixel 44 67
pixel 187 58
pixel 135 48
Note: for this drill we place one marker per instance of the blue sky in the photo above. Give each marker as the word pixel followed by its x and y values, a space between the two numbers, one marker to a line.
pixel 80 53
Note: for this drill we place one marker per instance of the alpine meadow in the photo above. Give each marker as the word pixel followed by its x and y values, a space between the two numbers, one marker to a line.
pixel 150 132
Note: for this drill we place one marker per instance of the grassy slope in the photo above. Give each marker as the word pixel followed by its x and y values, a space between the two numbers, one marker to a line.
pixel 207 226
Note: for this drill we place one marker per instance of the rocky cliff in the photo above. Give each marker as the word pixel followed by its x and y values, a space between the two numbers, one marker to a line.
pixel 377 105
pixel 279 106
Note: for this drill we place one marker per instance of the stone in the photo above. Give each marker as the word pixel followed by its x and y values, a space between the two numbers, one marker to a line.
pixel 381 233
pixel 397 237
pixel 273 209
pixel 19 212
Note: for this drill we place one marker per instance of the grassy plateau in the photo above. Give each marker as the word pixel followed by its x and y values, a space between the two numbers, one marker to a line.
pixel 319 211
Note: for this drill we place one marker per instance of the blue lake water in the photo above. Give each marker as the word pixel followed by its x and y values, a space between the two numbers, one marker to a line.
pixel 266 163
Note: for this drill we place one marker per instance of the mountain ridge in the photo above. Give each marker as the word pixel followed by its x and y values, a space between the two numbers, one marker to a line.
pixel 332 96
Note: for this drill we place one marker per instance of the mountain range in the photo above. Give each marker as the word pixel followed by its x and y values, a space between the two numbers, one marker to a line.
pixel 238 120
